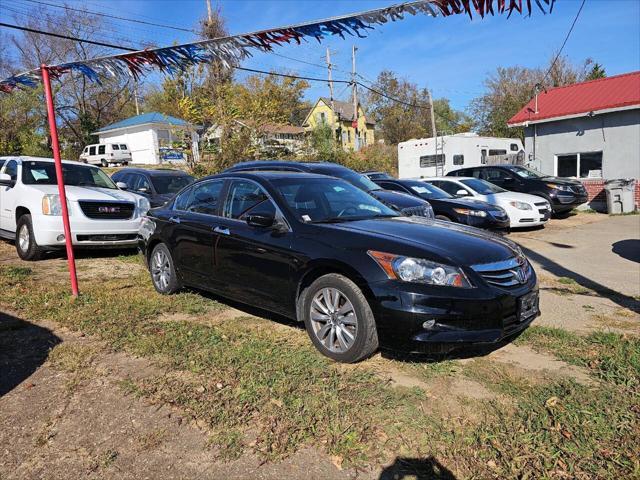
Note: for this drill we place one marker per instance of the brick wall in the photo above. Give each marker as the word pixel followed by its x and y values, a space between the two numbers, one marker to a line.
pixel 597 195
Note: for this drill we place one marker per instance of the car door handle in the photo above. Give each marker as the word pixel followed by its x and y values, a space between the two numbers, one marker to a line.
pixel 223 231
pixel 174 219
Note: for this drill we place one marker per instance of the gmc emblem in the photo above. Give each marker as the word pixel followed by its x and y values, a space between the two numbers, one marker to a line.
pixel 108 209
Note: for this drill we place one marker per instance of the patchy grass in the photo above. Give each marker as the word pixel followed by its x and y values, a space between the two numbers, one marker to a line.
pixel 15 274
pixel 261 387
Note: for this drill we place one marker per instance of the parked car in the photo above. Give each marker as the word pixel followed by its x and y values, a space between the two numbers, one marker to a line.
pixel 100 214
pixel 407 204
pixel 105 154
pixel 524 210
pixel 356 272
pixel 563 194
pixel 158 186
pixel 373 175
pixel 468 211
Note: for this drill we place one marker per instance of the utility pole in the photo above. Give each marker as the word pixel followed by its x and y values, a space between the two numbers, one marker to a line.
pixel 209 12
pixel 135 96
pixel 329 66
pixel 355 97
pixel 432 114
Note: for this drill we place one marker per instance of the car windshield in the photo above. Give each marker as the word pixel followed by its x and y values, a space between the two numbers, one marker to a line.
pixel 525 172
pixel 357 179
pixel 329 200
pixel 482 187
pixel 44 173
pixel 428 191
pixel 170 183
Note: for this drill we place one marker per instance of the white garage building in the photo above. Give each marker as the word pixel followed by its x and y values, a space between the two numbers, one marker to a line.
pixel 144 134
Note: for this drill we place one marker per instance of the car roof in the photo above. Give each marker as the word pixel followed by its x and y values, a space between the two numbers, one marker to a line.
pixel 309 166
pixel 267 175
pixel 153 171
pixel 450 179
pixel 26 158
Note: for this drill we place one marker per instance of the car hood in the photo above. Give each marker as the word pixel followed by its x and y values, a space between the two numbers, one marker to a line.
pixel 560 180
pixel 91 193
pixel 517 196
pixel 454 243
pixel 398 199
pixel 464 203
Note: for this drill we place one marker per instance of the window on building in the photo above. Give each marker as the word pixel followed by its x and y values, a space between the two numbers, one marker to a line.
pixel 431 160
pixel 483 156
pixel 323 117
pixel 458 159
pixel 580 165
pixel 348 135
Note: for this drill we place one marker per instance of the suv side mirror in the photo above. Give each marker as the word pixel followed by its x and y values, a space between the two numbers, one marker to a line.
pixel 6 181
pixel 260 220
pixel 143 190
pixel 462 193
pixel 122 185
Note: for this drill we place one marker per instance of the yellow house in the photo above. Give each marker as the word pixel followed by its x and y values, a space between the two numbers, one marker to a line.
pixel 349 133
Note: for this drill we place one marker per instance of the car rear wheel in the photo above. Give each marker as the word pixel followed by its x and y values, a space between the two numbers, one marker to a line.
pixel 104 163
pixel 163 272
pixel 26 245
pixel 338 319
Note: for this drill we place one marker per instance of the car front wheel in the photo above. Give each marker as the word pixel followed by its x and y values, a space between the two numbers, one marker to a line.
pixel 163 272
pixel 338 319
pixel 26 245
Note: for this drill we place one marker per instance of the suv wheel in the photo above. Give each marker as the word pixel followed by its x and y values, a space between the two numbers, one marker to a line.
pixel 338 319
pixel 26 245
pixel 163 272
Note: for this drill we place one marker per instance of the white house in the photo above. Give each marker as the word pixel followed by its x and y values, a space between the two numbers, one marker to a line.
pixel 145 134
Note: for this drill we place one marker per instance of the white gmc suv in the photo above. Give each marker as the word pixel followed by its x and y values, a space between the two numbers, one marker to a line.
pixel 100 214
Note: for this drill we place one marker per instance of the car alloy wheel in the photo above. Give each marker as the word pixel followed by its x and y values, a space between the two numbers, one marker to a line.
pixel 23 238
pixel 161 270
pixel 333 320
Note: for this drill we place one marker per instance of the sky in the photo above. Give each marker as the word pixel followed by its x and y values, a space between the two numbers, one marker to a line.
pixel 451 56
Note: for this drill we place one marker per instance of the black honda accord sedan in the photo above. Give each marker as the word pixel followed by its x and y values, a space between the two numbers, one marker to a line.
pixel 359 274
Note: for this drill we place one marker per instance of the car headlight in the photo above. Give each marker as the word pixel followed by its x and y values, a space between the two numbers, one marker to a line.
pixel 473 213
pixel 51 205
pixel 419 270
pixel 562 188
pixel 420 211
pixel 521 205
pixel 143 205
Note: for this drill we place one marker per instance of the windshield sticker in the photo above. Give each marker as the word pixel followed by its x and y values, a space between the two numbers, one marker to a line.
pixel 39 174
pixel 306 218
pixel 420 189
pixel 338 189
pixel 371 208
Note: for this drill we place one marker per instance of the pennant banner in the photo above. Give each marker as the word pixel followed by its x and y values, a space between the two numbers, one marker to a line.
pixel 231 50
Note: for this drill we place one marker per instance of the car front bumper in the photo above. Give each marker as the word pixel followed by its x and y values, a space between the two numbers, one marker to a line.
pixel 85 232
pixel 412 317
pixel 564 201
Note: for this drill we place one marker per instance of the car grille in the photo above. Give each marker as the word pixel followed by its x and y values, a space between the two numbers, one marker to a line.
pixel 115 237
pixel 107 210
pixel 509 273
pixel 422 211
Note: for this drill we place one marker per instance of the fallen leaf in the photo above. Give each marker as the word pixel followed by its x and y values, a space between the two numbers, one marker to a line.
pixel 337 461
pixel 551 402
pixel 492 464
pixel 566 433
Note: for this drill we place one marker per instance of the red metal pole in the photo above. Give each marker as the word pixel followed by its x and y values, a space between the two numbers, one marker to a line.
pixel 53 130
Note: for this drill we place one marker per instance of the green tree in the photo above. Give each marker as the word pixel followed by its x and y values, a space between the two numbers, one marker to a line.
pixel 597 71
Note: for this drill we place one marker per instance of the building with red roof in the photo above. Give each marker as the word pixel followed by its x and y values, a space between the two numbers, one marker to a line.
pixel 588 130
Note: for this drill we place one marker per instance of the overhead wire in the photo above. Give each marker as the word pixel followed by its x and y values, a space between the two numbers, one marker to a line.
pixel 564 43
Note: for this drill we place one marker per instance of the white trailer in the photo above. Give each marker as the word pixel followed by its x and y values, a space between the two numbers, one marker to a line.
pixel 433 157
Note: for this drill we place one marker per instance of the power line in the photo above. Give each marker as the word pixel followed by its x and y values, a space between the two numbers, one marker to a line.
pixel 575 20
pixel 66 37
pixel 66 7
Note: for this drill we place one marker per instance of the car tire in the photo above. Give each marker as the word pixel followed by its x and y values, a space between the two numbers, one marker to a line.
pixel 162 270
pixel 104 163
pixel 26 245
pixel 348 338
pixel 443 218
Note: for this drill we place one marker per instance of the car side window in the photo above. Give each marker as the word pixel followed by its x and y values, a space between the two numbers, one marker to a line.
pixel 11 169
pixel 139 182
pixel 392 186
pixel 205 197
pixel 450 187
pixel 242 197
pixel 101 149
pixel 92 150
pixel 182 200
pixel 495 174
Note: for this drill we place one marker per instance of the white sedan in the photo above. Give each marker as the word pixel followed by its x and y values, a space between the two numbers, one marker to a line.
pixel 100 214
pixel 524 210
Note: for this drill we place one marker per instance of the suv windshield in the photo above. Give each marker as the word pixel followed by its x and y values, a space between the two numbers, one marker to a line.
pixel 428 191
pixel 482 187
pixel 525 172
pixel 329 200
pixel 44 173
pixel 170 183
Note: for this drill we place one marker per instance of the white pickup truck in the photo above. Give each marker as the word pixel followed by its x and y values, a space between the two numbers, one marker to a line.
pixel 100 214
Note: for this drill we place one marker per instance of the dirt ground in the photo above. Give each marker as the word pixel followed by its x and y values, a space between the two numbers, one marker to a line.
pixel 69 419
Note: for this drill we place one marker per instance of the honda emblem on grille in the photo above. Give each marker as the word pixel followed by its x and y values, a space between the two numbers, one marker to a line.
pixel 520 275
pixel 108 209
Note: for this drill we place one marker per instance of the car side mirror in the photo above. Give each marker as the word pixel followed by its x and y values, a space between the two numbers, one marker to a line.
pixel 122 185
pixel 462 193
pixel 509 180
pixel 260 220
pixel 5 180
pixel 143 190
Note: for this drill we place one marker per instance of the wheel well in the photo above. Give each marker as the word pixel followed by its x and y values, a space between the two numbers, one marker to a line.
pixel 20 211
pixel 150 248
pixel 321 269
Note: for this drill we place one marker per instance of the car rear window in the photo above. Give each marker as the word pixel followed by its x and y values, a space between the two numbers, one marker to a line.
pixel 123 147
pixel 115 146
